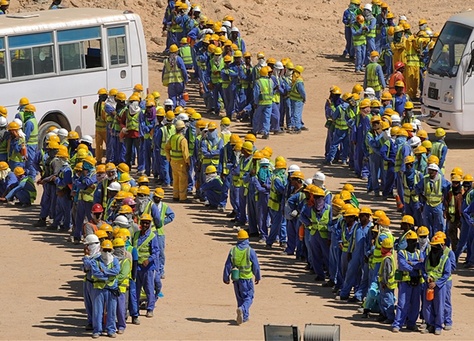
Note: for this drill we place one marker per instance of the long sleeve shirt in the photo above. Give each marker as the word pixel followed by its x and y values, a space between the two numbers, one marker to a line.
pixel 242 245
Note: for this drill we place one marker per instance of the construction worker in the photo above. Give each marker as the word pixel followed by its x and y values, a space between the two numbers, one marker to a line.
pixel 370 30
pixel 454 202
pixel 4 4
pixel 175 76
pixel 374 77
pixel 316 218
pixel 216 66
pixel 115 142
pixel 130 123
pixel 229 75
pixel 347 232
pixel 433 189
pixel 360 127
pixel 412 68
pixel 387 283
pixel 277 189
pixel 63 181
pixel 295 203
pixel 374 142
pixel 464 235
pixel 241 265
pixel 330 106
pixel 358 30
pixel 123 279
pixel 109 108
pixel 411 203
pixel 100 122
pixel 147 126
pixel 147 245
pixel 403 150
pixel 178 155
pixel 335 277
pixel 297 96
pixel 96 222
pixel 161 139
pixel 263 99
pixel 440 149
pixel 213 189
pixel 348 18
pixel 436 273
pixel 16 146
pixel 185 52
pixel 91 251
pixel 397 76
pixel 211 146
pixel 421 160
pixel 24 190
pixel 30 129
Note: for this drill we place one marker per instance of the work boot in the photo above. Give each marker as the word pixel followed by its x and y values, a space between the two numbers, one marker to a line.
pixel 366 314
pixel 437 332
pixel 231 214
pixel 328 284
pixel 149 313
pixel 135 320
pixel 40 223
pixel 395 330
pixel 239 319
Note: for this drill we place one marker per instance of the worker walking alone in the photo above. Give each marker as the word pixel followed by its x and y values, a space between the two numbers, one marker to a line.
pixel 241 265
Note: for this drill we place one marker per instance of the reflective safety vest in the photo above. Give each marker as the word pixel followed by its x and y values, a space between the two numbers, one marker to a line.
pixel 372 78
pixel 244 168
pixel 158 229
pixel 13 154
pixel 144 250
pixel 216 71
pixel 100 116
pixel 320 224
pixel 241 260
pixel 167 132
pixel 436 272
pixel 294 94
pixel 437 148
pixel 171 75
pixel 433 193
pixel 132 121
pixel 377 256
pixel 123 285
pixel 391 284
pixel 185 54
pixel 341 121
pixel 101 284
pixel 116 122
pixel 225 159
pixel 347 239
pixel 175 152
pixel 399 158
pixel 274 201
pixel 409 195
pixel 358 40
pixel 176 28
pixel 225 137
pixel 406 274
pixel 87 194
pixel 372 32
pixel 215 159
pixel 276 96
pixel 266 91
pixel 34 133
pixel 30 187
pixel 244 83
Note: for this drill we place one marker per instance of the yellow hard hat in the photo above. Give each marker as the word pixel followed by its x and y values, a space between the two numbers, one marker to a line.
pixel 170 115
pixel 411 235
pixel 150 103
pixel 408 219
pixel 383 220
pixel 345 195
pixel 409 105
pixel 145 190
pixel 437 240
pixel 212 126
pixel 250 137
pixel 184 40
pixel 456 178
pixel 102 91
pixel 348 187
pixel 159 192
pixel 409 159
pixel 299 69
pixel 422 134
pixel 238 146
pixel 364 103
pixel 403 132
pixel 297 175
pixel 422 231
pixel 225 121
pixel 346 96
pixel 258 155
pixel 365 210
pixel 125 177
pixel 440 132
pixel 106 244
pixel 422 22
pixel 63 152
pixel 3 165
pixel 23 101
pixel 357 89
pixel 19 171
pixel 218 51
pixel 378 214
pixel 134 98
pixel 387 243
pixel 101 234
pixel 125 209
pixel 55 145
pixel 13 126
pixel 73 135
pixel 242 234
pixel 211 169
pixel 420 150
pixel 78 166
pixel 386 96
pixel 118 242
pixel 351 212
pixel 427 144
pixel 121 96
pixel 290 66
pixel 106 227
pixel 360 19
pixel 263 72
pixel 375 103
pixel 29 108
pixel 120 195
pixel 468 178
pixel 374 54
pixel 174 48
pixel 238 54
pixel 457 170
pixel 338 202
pixel 227 59
pixel 433 159
pixel 247 145
pixel 146 217
pixel 335 90
pixel 90 160
pixel 3 111
pixel 280 165
pixel 143 179
pixel 247 55
pixel 317 191
pixel 124 232
pixel 234 138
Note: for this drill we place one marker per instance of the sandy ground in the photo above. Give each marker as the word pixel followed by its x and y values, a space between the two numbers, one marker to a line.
pixel 41 277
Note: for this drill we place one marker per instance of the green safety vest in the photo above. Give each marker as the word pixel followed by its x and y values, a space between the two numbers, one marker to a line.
pixel 377 256
pixel 372 78
pixel 167 132
pixel 409 195
pixel 216 71
pixel 385 163
pixel 399 159
pixel 215 159
pixel 176 28
pixel 294 94
pixel 274 202
pixel 241 260
pixel 171 75
pixel 175 152
pixel 321 224
pixel 345 241
pixel 87 194
pixel 16 156
pixel 434 196
pixel 144 248
pixel 132 121
pixel 99 110
pixel 371 33
pixel 436 272
pixel 341 121
pixel 266 91
pixel 110 282
pixel 33 141
pixel 406 274
pixel 392 284
pixel 244 84
pixel 243 170
pixel 437 148
pixel 123 285
pixel 276 96
pixel 116 122
pixel 358 40
pixel 32 182
pixel 185 54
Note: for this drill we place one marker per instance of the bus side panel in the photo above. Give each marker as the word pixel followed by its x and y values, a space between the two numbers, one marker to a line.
pixel 139 53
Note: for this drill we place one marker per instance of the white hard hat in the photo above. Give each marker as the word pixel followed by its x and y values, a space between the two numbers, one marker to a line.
pixel 278 65
pixel 319 176
pixel 182 117
pixel 293 168
pixel 369 91
pixel 226 23
pixel 415 141
pixel 62 132
pixel 86 138
pixel 48 135
pixel 368 7
pixel 114 186
pixel 179 124
pixel 196 9
pixel 264 161
pixel 234 29
pixel 223 29
pixel 402 17
pixel 91 239
pixel 168 102
pixel 433 166
pixel 396 118
pixel 3 121
pixel 308 181
pixel 20 123
pixel 55 130
pixel 121 221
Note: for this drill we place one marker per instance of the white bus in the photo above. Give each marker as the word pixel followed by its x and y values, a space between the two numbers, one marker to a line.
pixel 58 59
pixel 448 89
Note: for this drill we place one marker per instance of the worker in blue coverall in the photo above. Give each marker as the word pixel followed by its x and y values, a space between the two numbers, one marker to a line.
pixel 360 126
pixel 146 125
pixel 436 273
pixel 374 141
pixel 412 204
pixel 263 100
pixel 468 214
pixel 63 190
pixel 242 263
pixel 403 150
pixel 24 189
pixel 330 106
pixel 85 187
pixel 337 224
pixel 30 128
pixel 262 184
pixel 7 179
pixel 357 271
pixel 297 96
pixel 440 149
pixel 370 33
pixel 252 214
pixel 229 75
pixel 348 18
pixel 147 245
pixel 160 139
pixel 212 188
pixel 277 190
pixel 388 154
pixel 104 270
pixel 211 146
pixel 295 204
pixel 351 215
pixel 175 76
pixel 91 251
pixel 410 263
pixel 16 145
pixel 387 283
pixel 156 165
pixel 316 217
pixel 433 189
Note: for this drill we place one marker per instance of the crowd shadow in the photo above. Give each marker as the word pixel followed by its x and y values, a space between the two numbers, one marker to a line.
pixel 66 324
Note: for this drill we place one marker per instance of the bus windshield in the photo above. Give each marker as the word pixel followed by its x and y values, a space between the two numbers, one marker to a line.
pixel 449 49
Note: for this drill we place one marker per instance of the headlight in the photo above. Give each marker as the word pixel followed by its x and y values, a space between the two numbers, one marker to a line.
pixel 448 97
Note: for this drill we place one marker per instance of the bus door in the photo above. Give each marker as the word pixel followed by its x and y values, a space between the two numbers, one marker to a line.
pixel 119 71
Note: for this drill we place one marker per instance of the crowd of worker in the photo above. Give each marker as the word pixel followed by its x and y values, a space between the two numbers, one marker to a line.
pixel 121 220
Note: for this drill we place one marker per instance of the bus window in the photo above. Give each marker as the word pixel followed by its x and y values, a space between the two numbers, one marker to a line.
pixel 117 45
pixel 80 48
pixel 31 54
pixel 3 74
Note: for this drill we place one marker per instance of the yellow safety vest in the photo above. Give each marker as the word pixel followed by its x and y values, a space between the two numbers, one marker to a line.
pixel 241 260
pixel 215 159
pixel 406 274
pixel 100 116
pixel 185 54
pixel 408 194
pixel 372 78
pixel 144 248
pixel 175 152
pixel 126 281
pixel 436 272
pixel 294 94
pixel 377 256
pixel 132 121
pixel 167 132
pixel 434 196
pixel 392 284
pixel 321 224
pixel 100 284
pixel 33 141
pixel 274 202
pixel 266 91
pixel 171 75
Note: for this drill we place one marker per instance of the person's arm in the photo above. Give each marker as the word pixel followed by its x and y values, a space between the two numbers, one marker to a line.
pixel 227 269
pixel 446 274
pixel 185 151
pixel 169 216
pixel 403 263
pixel 301 90
pixel 255 266
pixel 125 270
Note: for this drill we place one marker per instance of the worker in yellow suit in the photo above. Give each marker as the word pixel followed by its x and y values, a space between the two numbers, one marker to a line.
pixel 412 67
pixel 177 154
pixel 398 46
